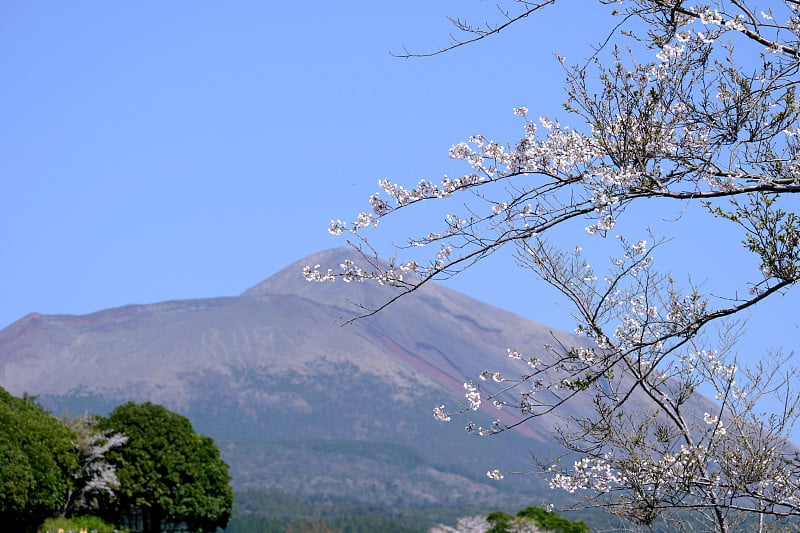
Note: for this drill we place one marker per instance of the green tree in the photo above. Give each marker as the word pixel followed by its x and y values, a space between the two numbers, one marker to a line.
pixel 170 477
pixel 533 519
pixel 36 458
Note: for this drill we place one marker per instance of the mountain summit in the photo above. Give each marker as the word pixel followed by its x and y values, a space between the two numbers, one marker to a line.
pixel 159 352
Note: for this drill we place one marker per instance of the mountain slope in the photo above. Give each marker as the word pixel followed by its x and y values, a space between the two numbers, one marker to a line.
pixel 283 387
pixel 437 337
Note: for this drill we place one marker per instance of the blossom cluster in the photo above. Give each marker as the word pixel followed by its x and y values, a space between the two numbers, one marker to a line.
pixel 495 474
pixel 95 474
pixel 364 220
pixel 588 473
pixel 441 414
pixel 719 428
pixel 466 524
pixel 562 149
pixel 350 272
pixel 473 395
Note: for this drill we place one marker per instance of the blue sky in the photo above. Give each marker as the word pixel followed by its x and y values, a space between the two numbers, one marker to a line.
pixel 156 151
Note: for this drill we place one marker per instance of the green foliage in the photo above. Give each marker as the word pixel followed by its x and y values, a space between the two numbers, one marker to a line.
pixel 87 522
pixel 349 522
pixel 551 521
pixel 36 458
pixel 545 520
pixel 500 522
pixel 168 474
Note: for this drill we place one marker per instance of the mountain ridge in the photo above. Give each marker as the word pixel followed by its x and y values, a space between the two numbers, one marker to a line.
pixel 177 324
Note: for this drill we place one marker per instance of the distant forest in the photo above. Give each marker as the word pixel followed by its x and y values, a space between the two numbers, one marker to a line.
pixel 267 512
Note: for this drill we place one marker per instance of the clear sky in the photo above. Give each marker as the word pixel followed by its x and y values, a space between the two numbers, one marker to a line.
pixel 167 150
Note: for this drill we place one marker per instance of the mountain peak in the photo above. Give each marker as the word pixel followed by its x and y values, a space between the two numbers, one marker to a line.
pixel 349 298
pixel 291 277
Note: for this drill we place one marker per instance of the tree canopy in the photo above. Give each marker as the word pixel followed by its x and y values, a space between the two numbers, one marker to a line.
pixel 683 109
pixel 170 477
pixel 36 459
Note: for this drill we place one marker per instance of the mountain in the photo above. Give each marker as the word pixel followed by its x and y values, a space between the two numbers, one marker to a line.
pixel 299 403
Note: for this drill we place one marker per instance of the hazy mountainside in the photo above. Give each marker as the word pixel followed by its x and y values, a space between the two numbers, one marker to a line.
pixel 169 352
pixel 286 391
